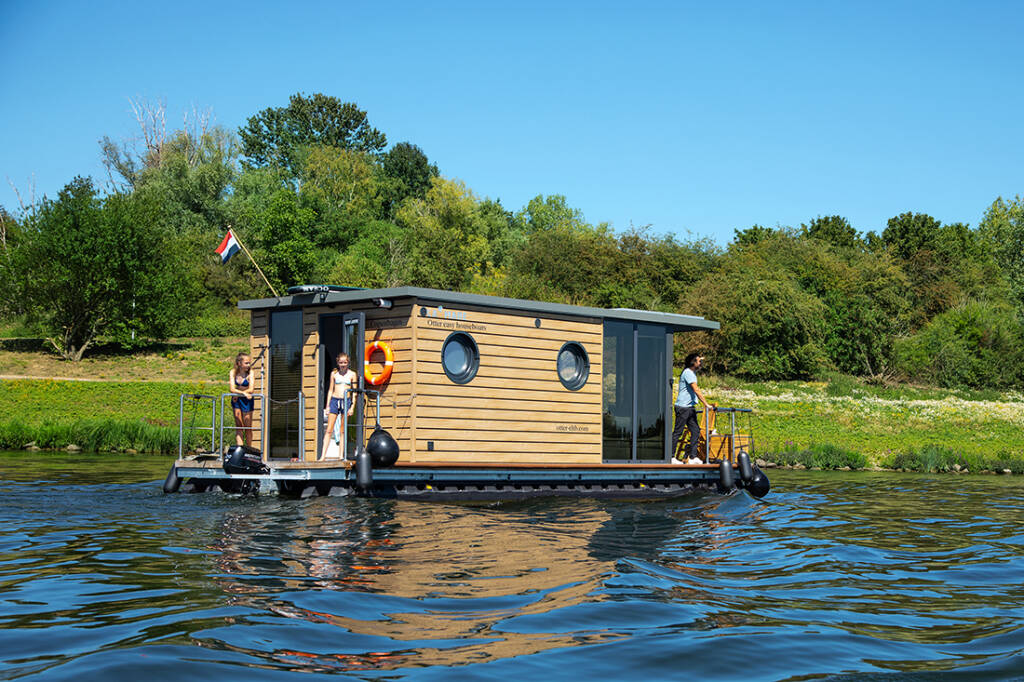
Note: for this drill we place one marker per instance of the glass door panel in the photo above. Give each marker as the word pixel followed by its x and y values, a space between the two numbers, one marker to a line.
pixel 285 382
pixel 617 392
pixel 635 397
pixel 652 392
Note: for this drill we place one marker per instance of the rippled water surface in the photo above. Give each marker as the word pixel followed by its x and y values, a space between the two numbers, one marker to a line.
pixel 860 574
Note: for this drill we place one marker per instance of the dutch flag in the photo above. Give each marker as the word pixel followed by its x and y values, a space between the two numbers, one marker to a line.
pixel 228 248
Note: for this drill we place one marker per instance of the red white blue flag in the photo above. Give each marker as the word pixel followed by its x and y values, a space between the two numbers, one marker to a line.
pixel 228 248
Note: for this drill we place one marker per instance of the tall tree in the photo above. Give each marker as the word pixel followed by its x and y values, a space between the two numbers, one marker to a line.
pixel 409 171
pixel 281 135
pixel 89 266
pixel 1002 228
pixel 835 230
pixel 908 233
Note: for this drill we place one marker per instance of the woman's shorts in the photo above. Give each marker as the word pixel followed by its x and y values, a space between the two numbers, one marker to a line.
pixel 335 407
pixel 243 404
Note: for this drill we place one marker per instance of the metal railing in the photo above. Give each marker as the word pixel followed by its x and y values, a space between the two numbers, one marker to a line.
pixel 195 398
pixel 732 412
pixel 262 428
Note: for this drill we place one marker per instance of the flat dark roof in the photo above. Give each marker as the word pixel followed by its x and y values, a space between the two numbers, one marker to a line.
pixel 326 297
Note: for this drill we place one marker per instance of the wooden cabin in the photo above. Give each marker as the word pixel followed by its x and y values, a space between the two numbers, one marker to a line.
pixel 476 379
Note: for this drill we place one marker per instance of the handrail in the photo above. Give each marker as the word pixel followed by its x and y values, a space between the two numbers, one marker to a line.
pixel 343 446
pixel 196 397
pixel 732 412
pixel 261 428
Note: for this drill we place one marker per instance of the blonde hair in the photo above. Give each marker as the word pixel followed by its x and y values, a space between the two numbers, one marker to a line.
pixel 238 360
pixel 342 355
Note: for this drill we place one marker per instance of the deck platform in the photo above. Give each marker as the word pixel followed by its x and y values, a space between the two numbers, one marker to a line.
pixel 449 481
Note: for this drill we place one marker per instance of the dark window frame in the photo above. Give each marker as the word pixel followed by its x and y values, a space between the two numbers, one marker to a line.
pixel 472 348
pixel 583 373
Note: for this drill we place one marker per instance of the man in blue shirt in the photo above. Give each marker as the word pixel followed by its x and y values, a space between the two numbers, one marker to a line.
pixel 686 406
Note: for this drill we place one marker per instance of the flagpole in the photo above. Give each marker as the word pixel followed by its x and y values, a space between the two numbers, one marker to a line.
pixel 254 263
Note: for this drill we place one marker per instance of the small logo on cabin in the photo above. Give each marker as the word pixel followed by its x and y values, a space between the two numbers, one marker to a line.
pixel 440 312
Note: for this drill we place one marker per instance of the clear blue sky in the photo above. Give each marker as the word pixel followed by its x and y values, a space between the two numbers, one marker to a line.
pixel 694 118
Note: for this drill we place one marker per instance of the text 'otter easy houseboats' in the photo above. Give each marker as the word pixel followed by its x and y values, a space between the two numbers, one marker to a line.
pixel 467 397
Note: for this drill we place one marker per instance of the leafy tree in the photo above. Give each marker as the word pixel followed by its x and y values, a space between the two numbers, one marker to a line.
pixel 908 233
pixel 445 236
pixel 342 185
pixel 1002 228
pixel 771 329
pixel 192 180
pixel 976 345
pixel 89 266
pixel 277 226
pixel 379 258
pixel 545 213
pixel 9 228
pixel 569 263
pixel 409 171
pixel 752 235
pixel 281 136
pixel 835 230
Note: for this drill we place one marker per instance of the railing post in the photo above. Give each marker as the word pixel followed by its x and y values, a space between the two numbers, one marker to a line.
pixel 302 426
pixel 181 426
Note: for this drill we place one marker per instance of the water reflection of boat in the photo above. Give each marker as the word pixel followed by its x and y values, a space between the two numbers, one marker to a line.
pixel 366 586
pixel 472 397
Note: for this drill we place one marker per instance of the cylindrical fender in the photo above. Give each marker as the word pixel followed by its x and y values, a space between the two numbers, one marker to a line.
pixel 173 481
pixel 759 484
pixel 364 469
pixel 726 478
pixel 746 469
pixel 389 362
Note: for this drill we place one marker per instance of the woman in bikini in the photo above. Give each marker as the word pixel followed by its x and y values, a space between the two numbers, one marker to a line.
pixel 342 379
pixel 241 399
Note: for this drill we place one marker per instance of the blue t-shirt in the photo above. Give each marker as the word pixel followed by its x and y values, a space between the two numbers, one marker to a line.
pixel 687 397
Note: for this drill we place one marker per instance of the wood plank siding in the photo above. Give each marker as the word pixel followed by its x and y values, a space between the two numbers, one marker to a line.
pixel 515 410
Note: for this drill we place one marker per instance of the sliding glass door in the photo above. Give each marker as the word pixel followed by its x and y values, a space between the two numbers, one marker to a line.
pixel 636 392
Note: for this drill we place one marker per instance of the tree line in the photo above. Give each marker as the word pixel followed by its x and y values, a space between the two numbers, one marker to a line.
pixel 318 195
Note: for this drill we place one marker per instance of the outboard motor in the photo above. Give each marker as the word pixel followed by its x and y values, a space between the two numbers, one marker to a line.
pixel 382 447
pixel 243 459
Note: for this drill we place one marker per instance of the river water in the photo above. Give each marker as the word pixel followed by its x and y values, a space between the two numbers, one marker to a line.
pixel 865 575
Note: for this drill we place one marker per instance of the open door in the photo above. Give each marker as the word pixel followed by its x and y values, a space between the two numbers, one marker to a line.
pixel 341 333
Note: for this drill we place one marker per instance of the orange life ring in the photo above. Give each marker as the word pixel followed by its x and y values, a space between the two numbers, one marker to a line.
pixel 389 362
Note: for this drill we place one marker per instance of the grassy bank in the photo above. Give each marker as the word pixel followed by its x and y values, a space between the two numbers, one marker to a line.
pixel 835 423
pixel 94 415
pixel 113 400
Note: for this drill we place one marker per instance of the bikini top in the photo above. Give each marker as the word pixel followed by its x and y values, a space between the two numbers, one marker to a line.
pixel 244 383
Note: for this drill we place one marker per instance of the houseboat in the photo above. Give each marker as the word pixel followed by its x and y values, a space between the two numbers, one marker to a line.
pixel 459 396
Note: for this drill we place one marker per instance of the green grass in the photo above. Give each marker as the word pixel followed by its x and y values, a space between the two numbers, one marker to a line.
pixel 792 419
pixel 34 401
pixel 91 435
pixel 818 456
pixel 939 459
pixel 97 415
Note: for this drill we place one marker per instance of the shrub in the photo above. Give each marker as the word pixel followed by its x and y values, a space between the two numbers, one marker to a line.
pixel 976 345
pixel 822 456
pixel 938 459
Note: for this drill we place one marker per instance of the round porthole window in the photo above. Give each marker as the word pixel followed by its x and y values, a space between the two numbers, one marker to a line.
pixel 573 366
pixel 460 357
